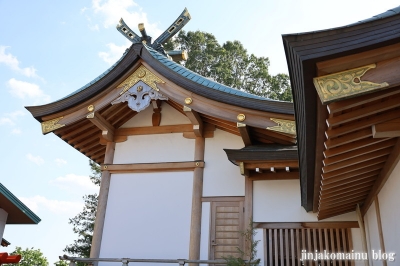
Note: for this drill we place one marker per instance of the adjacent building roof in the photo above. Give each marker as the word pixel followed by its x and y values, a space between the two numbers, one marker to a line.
pixel 18 213
pixel 303 51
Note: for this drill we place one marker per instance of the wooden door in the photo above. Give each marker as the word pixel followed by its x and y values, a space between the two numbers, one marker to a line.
pixel 226 228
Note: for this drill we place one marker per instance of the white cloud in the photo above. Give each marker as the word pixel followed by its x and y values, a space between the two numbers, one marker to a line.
pixel 13 63
pixel 60 162
pixel 114 52
pixel 35 159
pixel 39 203
pixel 94 27
pixel 113 10
pixel 22 89
pixel 16 131
pixel 6 121
pixel 72 182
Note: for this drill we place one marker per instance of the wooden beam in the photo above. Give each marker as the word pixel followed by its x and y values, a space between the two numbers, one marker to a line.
pixel 348 138
pixel 102 203
pixel 196 213
pixel 196 120
pixel 273 176
pixel 339 106
pixel 244 133
pixel 388 129
pixel 302 225
pixel 107 130
pixel 268 165
pixel 362 229
pixel 156 116
pixel 388 168
pixel 359 152
pixel 356 160
pixel 354 167
pixel 345 190
pixel 349 196
pixel 378 218
pixel 152 167
pixel 368 110
pixel 354 145
pixel 367 171
pixel 363 123
pixel 153 130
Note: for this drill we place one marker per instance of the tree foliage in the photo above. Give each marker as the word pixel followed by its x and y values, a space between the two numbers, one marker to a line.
pixel 30 257
pixel 231 65
pixel 83 222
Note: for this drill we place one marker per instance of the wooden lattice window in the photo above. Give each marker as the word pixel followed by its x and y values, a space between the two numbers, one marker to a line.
pixel 287 246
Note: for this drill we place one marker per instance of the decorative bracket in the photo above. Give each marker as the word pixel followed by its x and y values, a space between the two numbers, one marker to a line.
pixel 284 126
pixel 345 84
pixel 139 96
pixel 50 125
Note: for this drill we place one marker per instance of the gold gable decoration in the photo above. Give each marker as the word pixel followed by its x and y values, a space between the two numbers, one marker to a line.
pixel 140 74
pixel 50 125
pixel 284 126
pixel 345 84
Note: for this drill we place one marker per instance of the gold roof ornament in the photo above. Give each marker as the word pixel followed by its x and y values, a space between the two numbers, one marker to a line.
pixel 50 125
pixel 143 74
pixel 284 126
pixel 345 84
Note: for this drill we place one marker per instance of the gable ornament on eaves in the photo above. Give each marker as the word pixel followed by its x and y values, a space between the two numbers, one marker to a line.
pixel 139 89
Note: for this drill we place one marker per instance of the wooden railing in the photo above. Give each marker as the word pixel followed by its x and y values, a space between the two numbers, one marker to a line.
pixel 125 261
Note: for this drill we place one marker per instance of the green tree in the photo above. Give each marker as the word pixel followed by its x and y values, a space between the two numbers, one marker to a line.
pixel 30 257
pixel 83 222
pixel 231 65
pixel 61 263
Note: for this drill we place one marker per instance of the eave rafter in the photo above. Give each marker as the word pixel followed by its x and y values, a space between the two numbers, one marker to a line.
pixel 361 139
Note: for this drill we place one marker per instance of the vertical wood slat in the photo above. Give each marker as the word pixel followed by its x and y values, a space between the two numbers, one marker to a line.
pixel 303 240
pixel 344 244
pixel 276 247
pixel 281 247
pixel 270 232
pixel 287 245
pixel 321 245
pixel 292 240
pixel 298 244
pixel 315 243
pixel 309 244
pixel 332 250
pixel 349 237
pixel 337 231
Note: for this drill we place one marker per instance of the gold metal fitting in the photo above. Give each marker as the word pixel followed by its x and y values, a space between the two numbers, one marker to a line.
pixel 139 88
pixel 197 163
pixel 90 108
pixel 188 100
pixel 241 117
pixel 141 73
pixel 105 167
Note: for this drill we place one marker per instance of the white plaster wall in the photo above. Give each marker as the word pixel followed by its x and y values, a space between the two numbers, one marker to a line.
pixel 357 244
pixel 154 148
pixel 260 246
pixel 221 177
pixel 205 230
pixel 3 221
pixel 279 201
pixel 372 234
pixel 148 216
pixel 390 214
pixel 169 116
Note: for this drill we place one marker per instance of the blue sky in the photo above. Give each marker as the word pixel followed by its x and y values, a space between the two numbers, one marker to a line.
pixel 50 48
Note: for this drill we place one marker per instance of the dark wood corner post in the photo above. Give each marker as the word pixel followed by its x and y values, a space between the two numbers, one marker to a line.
pixel 102 203
pixel 195 226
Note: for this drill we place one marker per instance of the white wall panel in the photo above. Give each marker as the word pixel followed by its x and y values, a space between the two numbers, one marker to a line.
pixel 390 213
pixel 279 201
pixel 205 230
pixel 221 177
pixel 148 216
pixel 372 233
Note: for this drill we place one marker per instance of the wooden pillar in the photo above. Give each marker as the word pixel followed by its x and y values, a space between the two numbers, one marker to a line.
pixel 248 208
pixel 363 235
pixel 102 202
pixel 380 231
pixel 195 225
